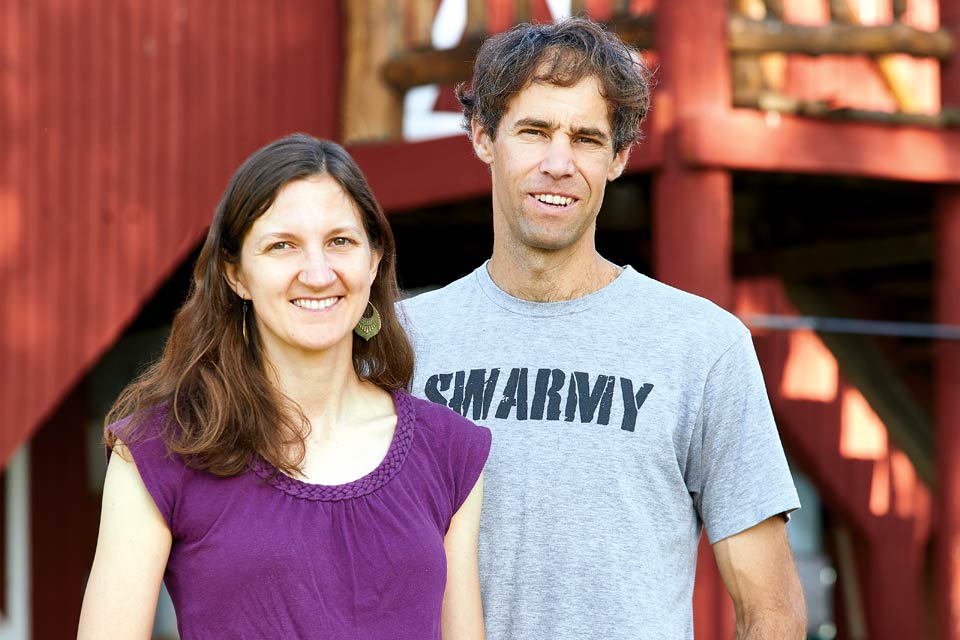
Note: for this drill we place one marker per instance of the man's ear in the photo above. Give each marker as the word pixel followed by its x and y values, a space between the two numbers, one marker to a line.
pixel 234 278
pixel 619 163
pixel 482 144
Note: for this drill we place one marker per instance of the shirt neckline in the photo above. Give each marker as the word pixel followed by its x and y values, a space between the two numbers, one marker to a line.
pixel 381 475
pixel 544 309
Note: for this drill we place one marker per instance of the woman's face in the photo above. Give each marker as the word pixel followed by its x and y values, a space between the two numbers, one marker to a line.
pixel 307 266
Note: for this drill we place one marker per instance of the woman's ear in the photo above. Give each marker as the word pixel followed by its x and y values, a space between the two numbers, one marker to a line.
pixel 234 277
pixel 375 257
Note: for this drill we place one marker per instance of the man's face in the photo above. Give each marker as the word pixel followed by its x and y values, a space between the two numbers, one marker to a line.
pixel 550 163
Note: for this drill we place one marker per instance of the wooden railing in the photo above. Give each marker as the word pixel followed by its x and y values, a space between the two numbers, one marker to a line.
pixel 389 52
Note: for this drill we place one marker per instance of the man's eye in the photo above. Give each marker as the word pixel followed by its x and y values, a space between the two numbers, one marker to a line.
pixel 590 141
pixel 531 132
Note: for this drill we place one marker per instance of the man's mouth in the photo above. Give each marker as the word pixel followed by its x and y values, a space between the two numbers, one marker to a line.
pixel 554 199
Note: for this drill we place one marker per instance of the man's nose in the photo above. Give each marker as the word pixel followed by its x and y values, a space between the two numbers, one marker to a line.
pixel 316 271
pixel 558 161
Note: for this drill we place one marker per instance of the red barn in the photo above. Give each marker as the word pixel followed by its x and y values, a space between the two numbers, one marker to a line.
pixel 801 160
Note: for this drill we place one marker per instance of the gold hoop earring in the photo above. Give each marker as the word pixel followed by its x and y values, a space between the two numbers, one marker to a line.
pixel 246 338
pixel 368 326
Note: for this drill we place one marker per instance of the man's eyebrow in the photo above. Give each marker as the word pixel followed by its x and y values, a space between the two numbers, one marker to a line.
pixel 591 132
pixel 533 122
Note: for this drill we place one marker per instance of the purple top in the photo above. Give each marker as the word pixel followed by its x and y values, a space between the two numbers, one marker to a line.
pixel 261 557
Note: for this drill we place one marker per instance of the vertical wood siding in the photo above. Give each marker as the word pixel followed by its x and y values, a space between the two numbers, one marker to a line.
pixel 120 124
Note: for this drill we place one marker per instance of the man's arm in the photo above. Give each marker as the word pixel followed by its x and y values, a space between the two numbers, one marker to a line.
pixel 759 572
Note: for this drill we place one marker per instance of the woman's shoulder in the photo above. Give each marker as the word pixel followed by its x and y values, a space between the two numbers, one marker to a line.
pixel 441 421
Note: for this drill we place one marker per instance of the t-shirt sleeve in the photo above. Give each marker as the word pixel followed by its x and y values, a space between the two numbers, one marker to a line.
pixel 469 448
pixel 161 471
pixel 740 476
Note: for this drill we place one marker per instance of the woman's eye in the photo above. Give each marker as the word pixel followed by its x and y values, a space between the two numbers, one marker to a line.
pixel 341 242
pixel 279 246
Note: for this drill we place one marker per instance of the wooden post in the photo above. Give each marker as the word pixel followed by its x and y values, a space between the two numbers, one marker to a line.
pixel 422 14
pixel 692 208
pixel 476 18
pixel 372 109
pixel 947 380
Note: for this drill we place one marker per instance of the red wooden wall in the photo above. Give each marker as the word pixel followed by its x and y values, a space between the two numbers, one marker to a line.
pixel 120 124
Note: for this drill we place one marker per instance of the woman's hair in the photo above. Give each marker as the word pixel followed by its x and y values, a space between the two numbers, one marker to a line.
pixel 218 403
pixel 562 54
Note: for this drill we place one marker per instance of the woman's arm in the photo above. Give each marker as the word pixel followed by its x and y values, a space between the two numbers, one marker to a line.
pixel 132 550
pixel 462 615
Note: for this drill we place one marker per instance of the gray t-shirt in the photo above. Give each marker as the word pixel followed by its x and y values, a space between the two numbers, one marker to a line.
pixel 622 421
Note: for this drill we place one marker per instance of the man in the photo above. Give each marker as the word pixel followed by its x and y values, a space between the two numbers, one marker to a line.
pixel 625 414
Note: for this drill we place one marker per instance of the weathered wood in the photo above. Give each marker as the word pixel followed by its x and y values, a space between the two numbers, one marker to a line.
pixel 744 139
pixel 522 11
pixel 760 36
pixel 899 9
pixel 898 76
pixel 746 36
pixel 620 7
pixel 372 109
pixel 476 18
pixel 774 9
pixel 841 11
pixel 752 72
pixel 429 66
pixel 864 366
pixel 780 103
pixel 422 14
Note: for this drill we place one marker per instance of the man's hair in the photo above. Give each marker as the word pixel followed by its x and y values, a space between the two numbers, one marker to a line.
pixel 212 383
pixel 561 54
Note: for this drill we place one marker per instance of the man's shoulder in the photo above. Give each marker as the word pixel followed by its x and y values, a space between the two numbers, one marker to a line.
pixel 670 306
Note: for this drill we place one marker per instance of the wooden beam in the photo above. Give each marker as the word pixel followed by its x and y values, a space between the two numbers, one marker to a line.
pixel 744 97
pixel 753 141
pixel 774 9
pixel 422 14
pixel 763 36
pixel 840 11
pixel 864 366
pixel 409 69
pixel 431 66
pixel 746 36
pixel 947 381
pixel 947 371
pixel 476 19
pixel 372 109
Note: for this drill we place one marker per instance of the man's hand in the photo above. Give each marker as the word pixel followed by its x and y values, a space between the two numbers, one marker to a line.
pixel 758 570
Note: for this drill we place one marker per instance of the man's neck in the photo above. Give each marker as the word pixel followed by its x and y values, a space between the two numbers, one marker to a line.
pixel 555 276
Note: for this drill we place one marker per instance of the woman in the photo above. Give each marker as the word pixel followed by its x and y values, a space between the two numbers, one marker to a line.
pixel 270 467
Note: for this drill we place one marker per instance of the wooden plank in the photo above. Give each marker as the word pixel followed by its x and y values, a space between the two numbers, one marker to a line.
pixel 947 381
pixel 754 141
pixel 422 14
pixel 763 36
pixel 746 36
pixel 372 109
pixel 476 19
pixel 408 69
